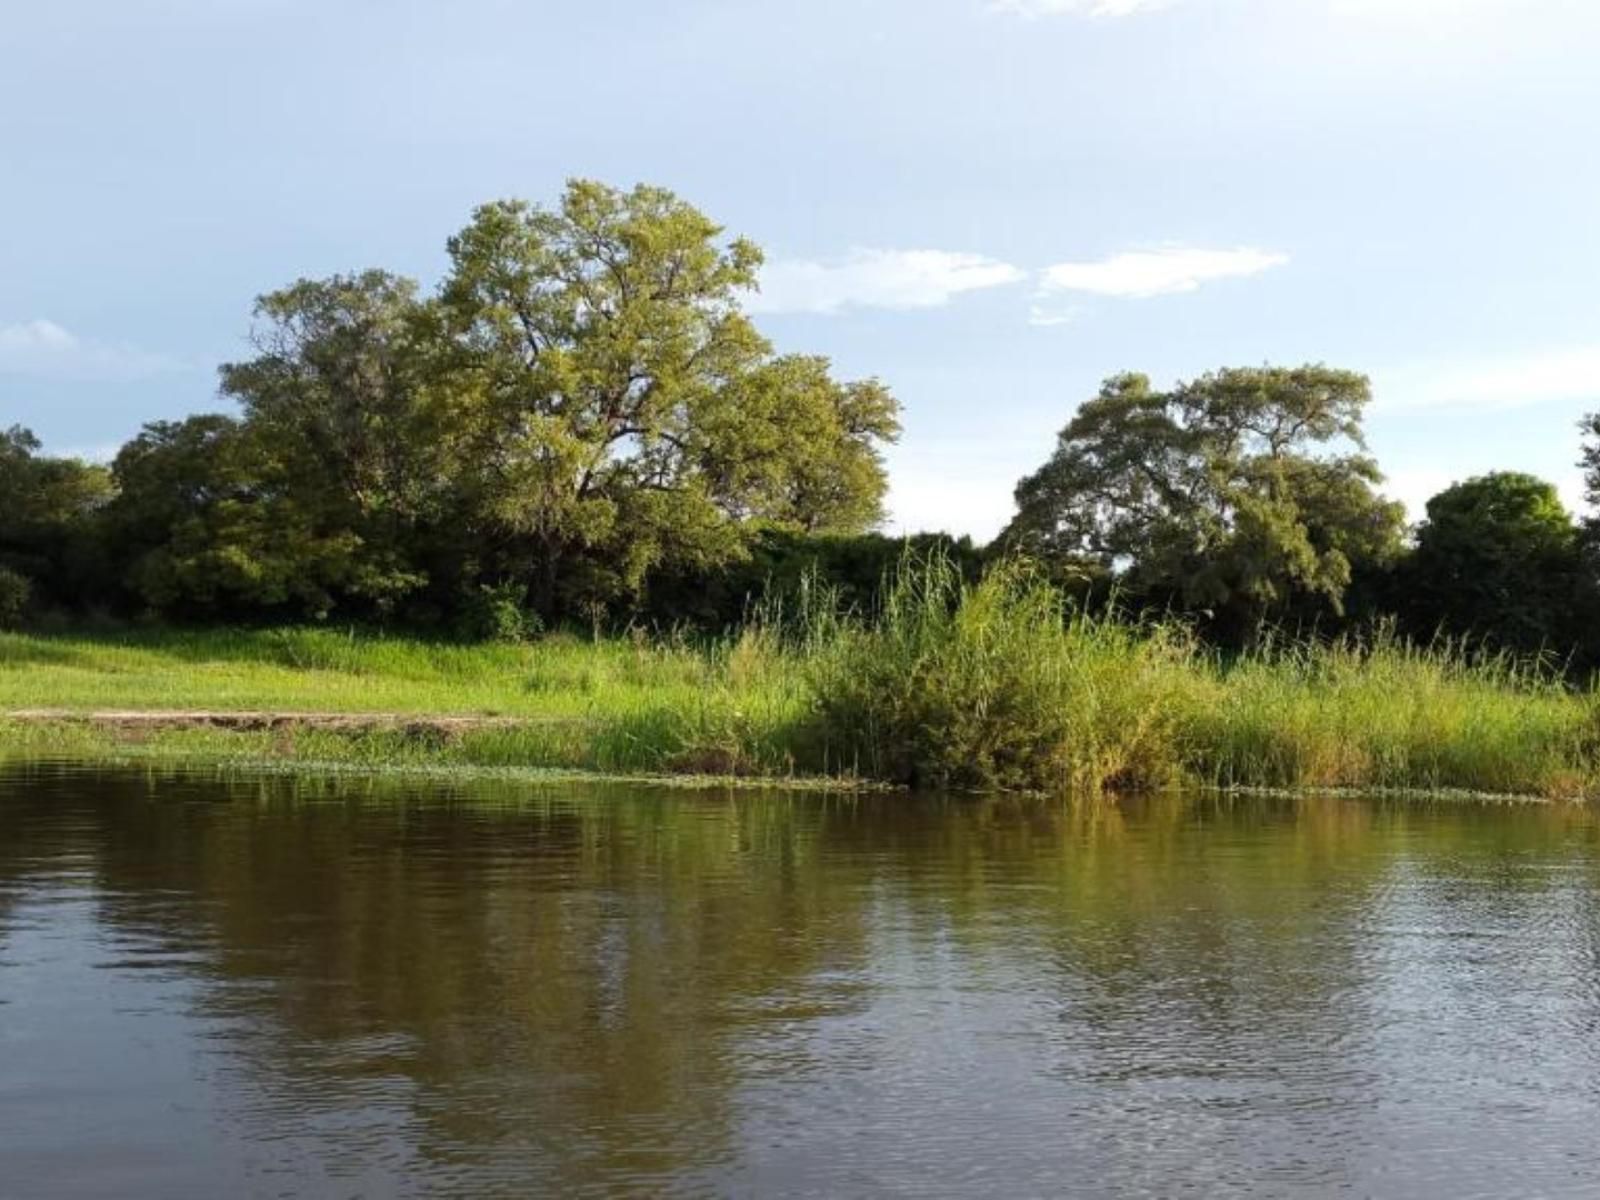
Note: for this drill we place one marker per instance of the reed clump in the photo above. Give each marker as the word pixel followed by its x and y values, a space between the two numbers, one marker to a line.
pixel 996 684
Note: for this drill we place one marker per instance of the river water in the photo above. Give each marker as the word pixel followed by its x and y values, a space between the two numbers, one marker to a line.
pixel 303 988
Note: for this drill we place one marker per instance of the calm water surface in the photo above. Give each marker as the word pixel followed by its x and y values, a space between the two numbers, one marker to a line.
pixel 297 989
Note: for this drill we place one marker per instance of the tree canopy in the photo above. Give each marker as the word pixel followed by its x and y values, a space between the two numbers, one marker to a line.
pixel 1213 493
pixel 1497 558
pixel 582 402
pixel 47 506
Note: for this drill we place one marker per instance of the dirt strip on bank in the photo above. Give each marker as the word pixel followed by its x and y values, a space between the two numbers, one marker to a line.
pixel 253 720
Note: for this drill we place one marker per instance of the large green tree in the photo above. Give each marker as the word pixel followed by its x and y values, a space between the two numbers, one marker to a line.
pixel 631 415
pixel 1498 558
pixel 583 403
pixel 354 412
pixel 1245 492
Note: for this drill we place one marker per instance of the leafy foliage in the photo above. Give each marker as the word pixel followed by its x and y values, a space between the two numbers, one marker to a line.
pixel 15 592
pixel 581 404
pixel 1212 494
pixel 1590 464
pixel 630 415
pixel 48 508
pixel 1498 558
pixel 209 525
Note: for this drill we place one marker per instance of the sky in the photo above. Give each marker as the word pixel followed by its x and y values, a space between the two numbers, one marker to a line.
pixel 991 205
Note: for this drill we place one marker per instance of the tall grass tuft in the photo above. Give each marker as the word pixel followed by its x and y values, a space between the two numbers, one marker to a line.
pixel 997 685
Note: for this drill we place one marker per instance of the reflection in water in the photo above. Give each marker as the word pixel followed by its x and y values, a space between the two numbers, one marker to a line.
pixel 213 988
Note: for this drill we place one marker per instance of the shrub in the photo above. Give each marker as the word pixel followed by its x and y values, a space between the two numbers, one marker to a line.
pixel 998 685
pixel 15 592
pixel 499 613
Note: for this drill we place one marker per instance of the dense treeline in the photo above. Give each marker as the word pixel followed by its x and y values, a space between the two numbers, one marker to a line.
pixel 579 405
pixel 581 425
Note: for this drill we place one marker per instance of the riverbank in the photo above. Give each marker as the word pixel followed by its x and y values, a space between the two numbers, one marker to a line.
pixel 989 686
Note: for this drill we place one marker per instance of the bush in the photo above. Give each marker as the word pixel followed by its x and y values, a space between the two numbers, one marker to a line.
pixel 15 592
pixel 998 685
pixel 499 613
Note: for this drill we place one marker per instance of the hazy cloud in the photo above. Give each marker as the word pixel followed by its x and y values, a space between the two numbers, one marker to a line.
pixel 1504 382
pixel 878 279
pixel 1140 274
pixel 1045 315
pixel 47 350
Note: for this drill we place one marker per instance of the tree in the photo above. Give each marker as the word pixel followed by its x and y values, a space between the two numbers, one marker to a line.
pixel 352 410
pixel 48 509
pixel 1212 496
pixel 582 404
pixel 208 525
pixel 1498 557
pixel 631 416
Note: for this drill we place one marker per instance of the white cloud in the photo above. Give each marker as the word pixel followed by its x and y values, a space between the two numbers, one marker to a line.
pixel 1088 8
pixel 1140 274
pixel 1506 382
pixel 43 348
pixel 1044 315
pixel 878 279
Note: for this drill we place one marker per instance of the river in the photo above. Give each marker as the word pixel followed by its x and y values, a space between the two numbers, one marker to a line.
pixel 303 987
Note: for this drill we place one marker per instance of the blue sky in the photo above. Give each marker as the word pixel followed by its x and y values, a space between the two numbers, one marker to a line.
pixel 990 206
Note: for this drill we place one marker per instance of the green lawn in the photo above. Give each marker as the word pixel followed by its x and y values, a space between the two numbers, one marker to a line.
pixel 329 671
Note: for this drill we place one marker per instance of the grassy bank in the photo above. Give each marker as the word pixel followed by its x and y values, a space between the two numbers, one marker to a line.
pixel 986 686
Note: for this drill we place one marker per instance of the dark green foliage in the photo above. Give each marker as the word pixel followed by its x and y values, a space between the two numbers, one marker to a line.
pixel 1498 560
pixel 580 426
pixel 498 613
pixel 1590 463
pixel 209 525
pixel 784 564
pixel 48 512
pixel 15 592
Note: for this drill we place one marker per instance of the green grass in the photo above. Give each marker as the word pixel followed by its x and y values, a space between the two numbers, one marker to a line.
pixel 994 685
pixel 340 671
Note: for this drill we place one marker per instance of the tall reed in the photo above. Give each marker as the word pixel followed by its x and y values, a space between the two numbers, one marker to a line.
pixel 996 685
